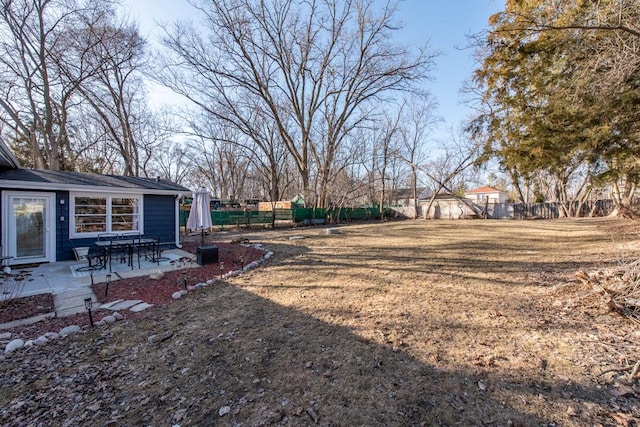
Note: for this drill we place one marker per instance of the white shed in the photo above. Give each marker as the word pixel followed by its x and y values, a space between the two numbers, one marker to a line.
pixel 487 194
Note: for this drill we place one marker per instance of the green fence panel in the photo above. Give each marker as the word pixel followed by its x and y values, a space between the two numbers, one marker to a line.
pixel 261 217
pixel 283 214
pixel 354 214
pixel 308 214
pixel 237 218
pixel 301 214
pixel 240 218
pixel 183 217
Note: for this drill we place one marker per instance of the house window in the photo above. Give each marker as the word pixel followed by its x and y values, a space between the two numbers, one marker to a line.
pixel 125 214
pixel 90 214
pixel 94 214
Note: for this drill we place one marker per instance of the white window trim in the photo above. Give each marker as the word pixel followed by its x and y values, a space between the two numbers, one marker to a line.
pixel 109 197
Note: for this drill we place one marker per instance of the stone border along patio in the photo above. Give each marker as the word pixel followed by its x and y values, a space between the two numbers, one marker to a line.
pixel 132 305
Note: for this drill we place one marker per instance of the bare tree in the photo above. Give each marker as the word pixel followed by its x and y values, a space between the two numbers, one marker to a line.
pixel 270 159
pixel 347 185
pixel 258 140
pixel 313 68
pixel 92 153
pixel 42 61
pixel 172 163
pixel 446 170
pixel 217 155
pixel 116 93
pixel 418 121
pixel 384 149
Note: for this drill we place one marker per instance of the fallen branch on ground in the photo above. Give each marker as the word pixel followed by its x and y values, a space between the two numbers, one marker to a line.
pixel 619 288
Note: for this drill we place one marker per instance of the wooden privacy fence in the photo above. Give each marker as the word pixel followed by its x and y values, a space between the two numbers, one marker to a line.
pixel 550 210
pixel 456 209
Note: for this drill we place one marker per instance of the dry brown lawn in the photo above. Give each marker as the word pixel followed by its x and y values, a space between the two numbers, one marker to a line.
pixel 401 323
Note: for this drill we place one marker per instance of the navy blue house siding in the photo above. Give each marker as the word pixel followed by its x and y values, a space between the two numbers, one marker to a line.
pixel 64 250
pixel 159 217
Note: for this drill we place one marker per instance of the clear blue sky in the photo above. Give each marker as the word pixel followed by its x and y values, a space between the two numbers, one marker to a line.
pixel 445 23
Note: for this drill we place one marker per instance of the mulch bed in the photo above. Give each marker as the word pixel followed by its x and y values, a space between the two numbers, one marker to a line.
pixel 22 308
pixel 232 256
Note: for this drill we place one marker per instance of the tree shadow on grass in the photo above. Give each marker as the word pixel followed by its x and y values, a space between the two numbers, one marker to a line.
pixel 226 356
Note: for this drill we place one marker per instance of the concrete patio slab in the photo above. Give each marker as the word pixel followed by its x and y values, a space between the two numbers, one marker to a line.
pixel 70 292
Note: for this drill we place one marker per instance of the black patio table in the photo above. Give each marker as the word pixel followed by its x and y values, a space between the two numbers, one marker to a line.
pixel 126 247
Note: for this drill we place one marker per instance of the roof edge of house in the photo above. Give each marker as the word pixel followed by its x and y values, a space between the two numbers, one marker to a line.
pixel 28 185
pixel 7 159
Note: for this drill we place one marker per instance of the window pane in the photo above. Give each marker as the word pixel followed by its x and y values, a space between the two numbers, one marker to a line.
pixel 124 214
pixel 91 205
pixel 30 216
pixel 90 224
pixel 95 214
pixel 90 214
pixel 124 223
pixel 127 206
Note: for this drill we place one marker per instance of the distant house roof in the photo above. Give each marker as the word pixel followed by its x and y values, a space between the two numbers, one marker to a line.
pixel 405 193
pixel 425 193
pixel 80 181
pixel 484 189
pixel 446 196
pixel 442 195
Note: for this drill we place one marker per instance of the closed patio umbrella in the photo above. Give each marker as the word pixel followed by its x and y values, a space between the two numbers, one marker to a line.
pixel 200 213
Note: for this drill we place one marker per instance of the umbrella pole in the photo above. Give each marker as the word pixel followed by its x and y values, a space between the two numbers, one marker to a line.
pixel 202 239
